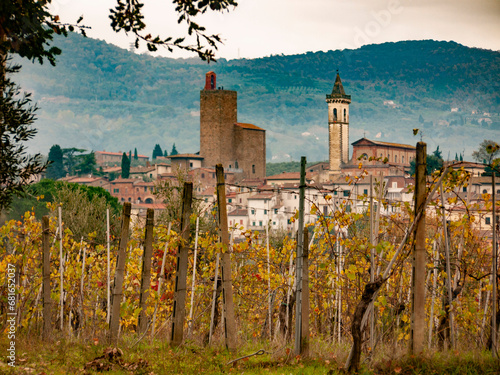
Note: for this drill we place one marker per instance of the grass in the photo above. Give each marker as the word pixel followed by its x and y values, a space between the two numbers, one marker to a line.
pixel 81 356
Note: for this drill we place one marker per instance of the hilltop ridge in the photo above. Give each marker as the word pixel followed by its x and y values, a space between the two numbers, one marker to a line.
pixel 100 96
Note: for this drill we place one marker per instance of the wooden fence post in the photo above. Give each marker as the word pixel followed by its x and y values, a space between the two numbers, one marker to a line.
pixel 179 311
pixel 193 281
pixel 419 255
pixel 448 271
pixel 494 322
pixel 108 277
pixel 146 271
pixel 300 247
pixel 304 347
pixel 116 298
pixel 61 270
pixel 227 284
pixel 47 301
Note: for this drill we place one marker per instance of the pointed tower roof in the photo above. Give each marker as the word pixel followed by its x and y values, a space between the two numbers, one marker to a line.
pixel 338 90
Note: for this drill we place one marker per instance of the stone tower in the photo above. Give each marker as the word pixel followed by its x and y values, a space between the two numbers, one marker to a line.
pixel 239 147
pixel 338 126
pixel 218 114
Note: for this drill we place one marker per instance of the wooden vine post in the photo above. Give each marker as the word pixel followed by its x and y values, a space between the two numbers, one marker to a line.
pixel 419 255
pixel 304 346
pixel 494 322
pixel 227 284
pixel 146 271
pixel 179 311
pixel 47 301
pixel 299 259
pixel 116 298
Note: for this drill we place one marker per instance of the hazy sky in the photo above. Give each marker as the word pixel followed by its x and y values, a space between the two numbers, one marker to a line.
pixel 259 28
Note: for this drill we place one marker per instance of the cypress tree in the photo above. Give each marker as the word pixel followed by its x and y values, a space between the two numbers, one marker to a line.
pixel 157 151
pixel 174 151
pixel 55 170
pixel 125 166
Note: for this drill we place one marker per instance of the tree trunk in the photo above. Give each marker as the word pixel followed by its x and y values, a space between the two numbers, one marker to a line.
pixel 366 298
pixel 284 325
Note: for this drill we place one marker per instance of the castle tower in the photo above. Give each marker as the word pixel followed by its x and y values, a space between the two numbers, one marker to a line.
pixel 218 114
pixel 338 125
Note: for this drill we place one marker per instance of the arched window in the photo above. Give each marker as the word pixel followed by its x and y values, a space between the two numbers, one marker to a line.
pixel 345 115
pixel 148 200
pixel 395 158
pixel 485 191
pixel 335 114
pixel 364 157
pixel 402 159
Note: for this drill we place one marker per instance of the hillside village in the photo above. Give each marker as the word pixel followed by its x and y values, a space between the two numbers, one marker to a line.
pixel 254 199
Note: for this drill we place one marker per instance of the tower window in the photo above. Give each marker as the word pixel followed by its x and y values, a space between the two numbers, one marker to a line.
pixel 345 115
pixel 253 168
pixel 335 114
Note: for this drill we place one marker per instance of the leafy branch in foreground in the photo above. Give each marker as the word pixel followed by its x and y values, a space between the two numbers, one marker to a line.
pixel 17 168
pixel 128 16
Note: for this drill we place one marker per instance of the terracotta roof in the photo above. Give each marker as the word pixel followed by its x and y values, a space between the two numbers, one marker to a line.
pixel 81 180
pixel 385 143
pixel 124 180
pixel 155 206
pixel 143 183
pixel 238 212
pixel 248 126
pixel 288 176
pixel 141 169
pixel 210 191
pixel 261 196
pixel 112 169
pixel 251 182
pixel 186 156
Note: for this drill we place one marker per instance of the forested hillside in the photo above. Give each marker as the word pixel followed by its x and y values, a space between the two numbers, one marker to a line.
pixel 102 97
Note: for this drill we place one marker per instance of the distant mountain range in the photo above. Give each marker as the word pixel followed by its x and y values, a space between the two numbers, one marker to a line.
pixel 101 97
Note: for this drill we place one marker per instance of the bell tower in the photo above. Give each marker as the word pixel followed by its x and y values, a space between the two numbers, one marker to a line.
pixel 338 126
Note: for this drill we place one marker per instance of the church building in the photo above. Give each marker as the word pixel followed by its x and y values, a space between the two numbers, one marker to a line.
pixel 397 156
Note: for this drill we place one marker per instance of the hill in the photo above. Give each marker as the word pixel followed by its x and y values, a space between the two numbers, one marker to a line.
pixel 102 97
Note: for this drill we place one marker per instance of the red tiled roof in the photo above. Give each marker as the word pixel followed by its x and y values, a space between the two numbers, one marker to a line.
pixel 238 212
pixel 186 156
pixel 155 206
pixel 124 181
pixel 112 169
pixel 80 180
pixel 385 143
pixel 248 126
pixel 261 196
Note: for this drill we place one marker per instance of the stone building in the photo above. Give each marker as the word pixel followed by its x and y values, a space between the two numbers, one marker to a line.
pixel 393 158
pixel 239 147
pixel 390 159
pixel 110 158
pixel 338 126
